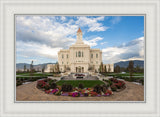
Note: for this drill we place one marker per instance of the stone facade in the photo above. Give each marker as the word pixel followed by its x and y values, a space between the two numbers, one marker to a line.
pixel 49 68
pixel 80 58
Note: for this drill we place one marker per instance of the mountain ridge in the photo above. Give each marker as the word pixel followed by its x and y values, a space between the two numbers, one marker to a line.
pixel 124 64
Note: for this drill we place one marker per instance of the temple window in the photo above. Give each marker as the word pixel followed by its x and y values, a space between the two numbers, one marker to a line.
pixel 91 55
pixel 79 54
pixel 62 56
pixel 82 54
pixel 96 55
pixel 76 54
pixel 67 55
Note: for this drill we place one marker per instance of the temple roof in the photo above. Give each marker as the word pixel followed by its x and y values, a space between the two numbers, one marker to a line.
pixel 79 30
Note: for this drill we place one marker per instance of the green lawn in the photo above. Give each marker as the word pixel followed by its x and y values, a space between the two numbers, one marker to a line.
pixel 125 74
pixel 34 74
pixel 75 83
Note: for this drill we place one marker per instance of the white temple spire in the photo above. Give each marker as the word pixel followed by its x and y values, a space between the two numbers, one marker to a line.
pixel 79 37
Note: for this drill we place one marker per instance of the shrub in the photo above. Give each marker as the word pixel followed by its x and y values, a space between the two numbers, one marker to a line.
pixel 67 87
pixel 41 84
pixel 50 82
pixel 142 81
pixel 105 86
pixel 47 86
pixel 113 80
pixel 104 89
pixel 114 88
pixel 98 89
pixel 18 82
pixel 86 94
pixel 54 80
pixel 120 84
pixel 53 85
pixel 80 86
pixel 110 82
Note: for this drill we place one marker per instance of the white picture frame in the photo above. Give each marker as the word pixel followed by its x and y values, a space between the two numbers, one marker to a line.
pixel 150 8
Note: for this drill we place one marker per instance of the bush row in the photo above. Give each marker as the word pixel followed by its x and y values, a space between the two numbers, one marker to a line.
pixel 100 88
pixel 115 84
pixel 137 79
pixel 29 78
pixel 46 84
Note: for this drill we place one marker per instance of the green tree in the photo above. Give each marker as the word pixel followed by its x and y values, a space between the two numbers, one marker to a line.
pixel 109 68
pixel 101 67
pixel 43 68
pixel 117 69
pixel 105 70
pixel 31 68
pixel 137 69
pixel 25 68
pixel 131 69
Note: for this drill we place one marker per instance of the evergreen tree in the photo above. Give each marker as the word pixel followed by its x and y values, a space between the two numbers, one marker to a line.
pixel 105 70
pixel 101 67
pixel 31 68
pixel 109 68
pixel 117 69
pixel 25 68
pixel 131 68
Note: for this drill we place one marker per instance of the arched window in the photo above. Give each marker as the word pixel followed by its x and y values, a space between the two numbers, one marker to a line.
pixel 82 54
pixel 91 55
pixel 96 55
pixel 76 54
pixel 79 54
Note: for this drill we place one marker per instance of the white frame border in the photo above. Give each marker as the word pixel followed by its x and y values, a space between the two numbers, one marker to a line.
pixel 8 5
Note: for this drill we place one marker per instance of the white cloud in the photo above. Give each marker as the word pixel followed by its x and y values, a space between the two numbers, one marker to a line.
pixel 92 23
pixel 33 50
pixel 44 36
pixel 133 50
pixel 63 18
pixel 115 19
pixel 133 58
pixel 93 42
pixel 42 30
pixel 102 43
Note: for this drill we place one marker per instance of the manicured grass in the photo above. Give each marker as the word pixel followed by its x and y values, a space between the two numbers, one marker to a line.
pixel 35 74
pixel 75 83
pixel 135 75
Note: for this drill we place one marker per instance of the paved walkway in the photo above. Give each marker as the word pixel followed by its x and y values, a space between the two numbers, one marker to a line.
pixel 29 92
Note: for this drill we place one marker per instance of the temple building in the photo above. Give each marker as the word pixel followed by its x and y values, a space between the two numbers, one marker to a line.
pixel 80 58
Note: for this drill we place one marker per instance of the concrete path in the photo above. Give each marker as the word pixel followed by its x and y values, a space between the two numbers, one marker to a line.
pixel 29 92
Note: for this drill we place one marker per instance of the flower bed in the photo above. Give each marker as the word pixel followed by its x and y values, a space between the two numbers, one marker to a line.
pixel 50 87
pixel 116 85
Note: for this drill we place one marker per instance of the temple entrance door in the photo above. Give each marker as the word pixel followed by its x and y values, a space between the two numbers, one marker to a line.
pixel 79 69
pixel 76 70
pixel 82 69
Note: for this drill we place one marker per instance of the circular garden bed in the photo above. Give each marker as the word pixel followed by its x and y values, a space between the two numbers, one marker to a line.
pixel 83 89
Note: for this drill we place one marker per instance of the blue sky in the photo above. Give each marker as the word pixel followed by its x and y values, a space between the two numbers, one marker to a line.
pixel 39 38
